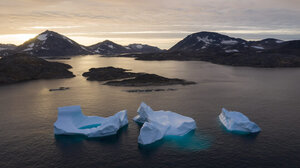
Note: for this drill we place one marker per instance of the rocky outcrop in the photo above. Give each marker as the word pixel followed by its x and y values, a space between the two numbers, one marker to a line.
pixel 20 67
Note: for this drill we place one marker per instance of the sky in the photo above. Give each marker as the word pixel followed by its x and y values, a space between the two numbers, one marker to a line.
pixel 160 23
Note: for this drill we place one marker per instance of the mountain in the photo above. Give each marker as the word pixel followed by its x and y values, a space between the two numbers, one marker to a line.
pixel 209 41
pixel 50 43
pixel 142 48
pixel 110 48
pixel 107 48
pixel 7 49
pixel 222 49
pixel 20 67
pixel 217 43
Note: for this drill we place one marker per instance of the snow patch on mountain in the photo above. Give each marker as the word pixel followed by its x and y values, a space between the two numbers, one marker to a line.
pixel 139 46
pixel 279 41
pixel 206 40
pixel 229 42
pixel 111 46
pixel 258 47
pixel 28 49
pixel 31 45
pixel 232 51
pixel 42 37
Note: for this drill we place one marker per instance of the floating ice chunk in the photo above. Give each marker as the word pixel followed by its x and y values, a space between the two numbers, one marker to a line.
pixel 71 121
pixel 237 122
pixel 158 124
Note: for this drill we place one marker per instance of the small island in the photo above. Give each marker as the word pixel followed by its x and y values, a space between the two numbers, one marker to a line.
pixel 114 75
pixel 22 67
pixel 108 73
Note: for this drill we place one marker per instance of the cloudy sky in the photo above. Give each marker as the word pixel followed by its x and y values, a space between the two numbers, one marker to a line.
pixel 155 22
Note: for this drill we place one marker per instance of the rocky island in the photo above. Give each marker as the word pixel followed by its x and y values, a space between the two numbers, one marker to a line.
pixel 21 67
pixel 113 75
pixel 108 73
pixel 149 80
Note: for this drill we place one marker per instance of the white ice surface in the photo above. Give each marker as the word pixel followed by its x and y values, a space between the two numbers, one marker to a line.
pixel 71 121
pixel 237 122
pixel 157 124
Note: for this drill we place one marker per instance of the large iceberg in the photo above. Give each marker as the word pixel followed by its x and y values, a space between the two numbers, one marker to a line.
pixel 157 124
pixel 71 121
pixel 237 122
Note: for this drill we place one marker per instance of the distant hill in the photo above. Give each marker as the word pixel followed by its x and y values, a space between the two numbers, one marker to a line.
pixel 107 48
pixel 110 48
pixel 221 49
pixel 7 49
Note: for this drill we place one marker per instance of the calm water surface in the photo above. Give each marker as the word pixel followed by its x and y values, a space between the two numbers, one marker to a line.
pixel 270 97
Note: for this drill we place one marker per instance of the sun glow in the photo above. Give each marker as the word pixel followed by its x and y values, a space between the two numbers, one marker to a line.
pixel 15 38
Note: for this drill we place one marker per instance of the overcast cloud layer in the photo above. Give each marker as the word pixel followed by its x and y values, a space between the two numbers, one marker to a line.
pixel 156 22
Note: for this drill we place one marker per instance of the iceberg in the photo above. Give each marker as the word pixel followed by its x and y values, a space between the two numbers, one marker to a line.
pixel 157 124
pixel 237 122
pixel 71 121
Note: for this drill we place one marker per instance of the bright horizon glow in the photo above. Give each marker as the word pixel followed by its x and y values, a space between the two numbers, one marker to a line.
pixel 164 43
pixel 156 22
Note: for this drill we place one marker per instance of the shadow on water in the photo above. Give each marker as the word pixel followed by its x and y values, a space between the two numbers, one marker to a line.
pixel 192 141
pixel 239 134
pixel 64 141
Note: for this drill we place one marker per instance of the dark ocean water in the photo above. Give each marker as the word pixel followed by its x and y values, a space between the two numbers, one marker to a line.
pixel 269 97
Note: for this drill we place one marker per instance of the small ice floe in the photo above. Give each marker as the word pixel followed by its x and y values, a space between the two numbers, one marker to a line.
pixel 237 122
pixel 71 121
pixel 157 124
pixel 59 89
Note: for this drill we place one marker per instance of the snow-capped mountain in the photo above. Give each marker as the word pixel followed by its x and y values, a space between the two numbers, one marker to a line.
pixel 107 48
pixel 50 43
pixel 218 43
pixel 207 41
pixel 110 48
pixel 142 48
